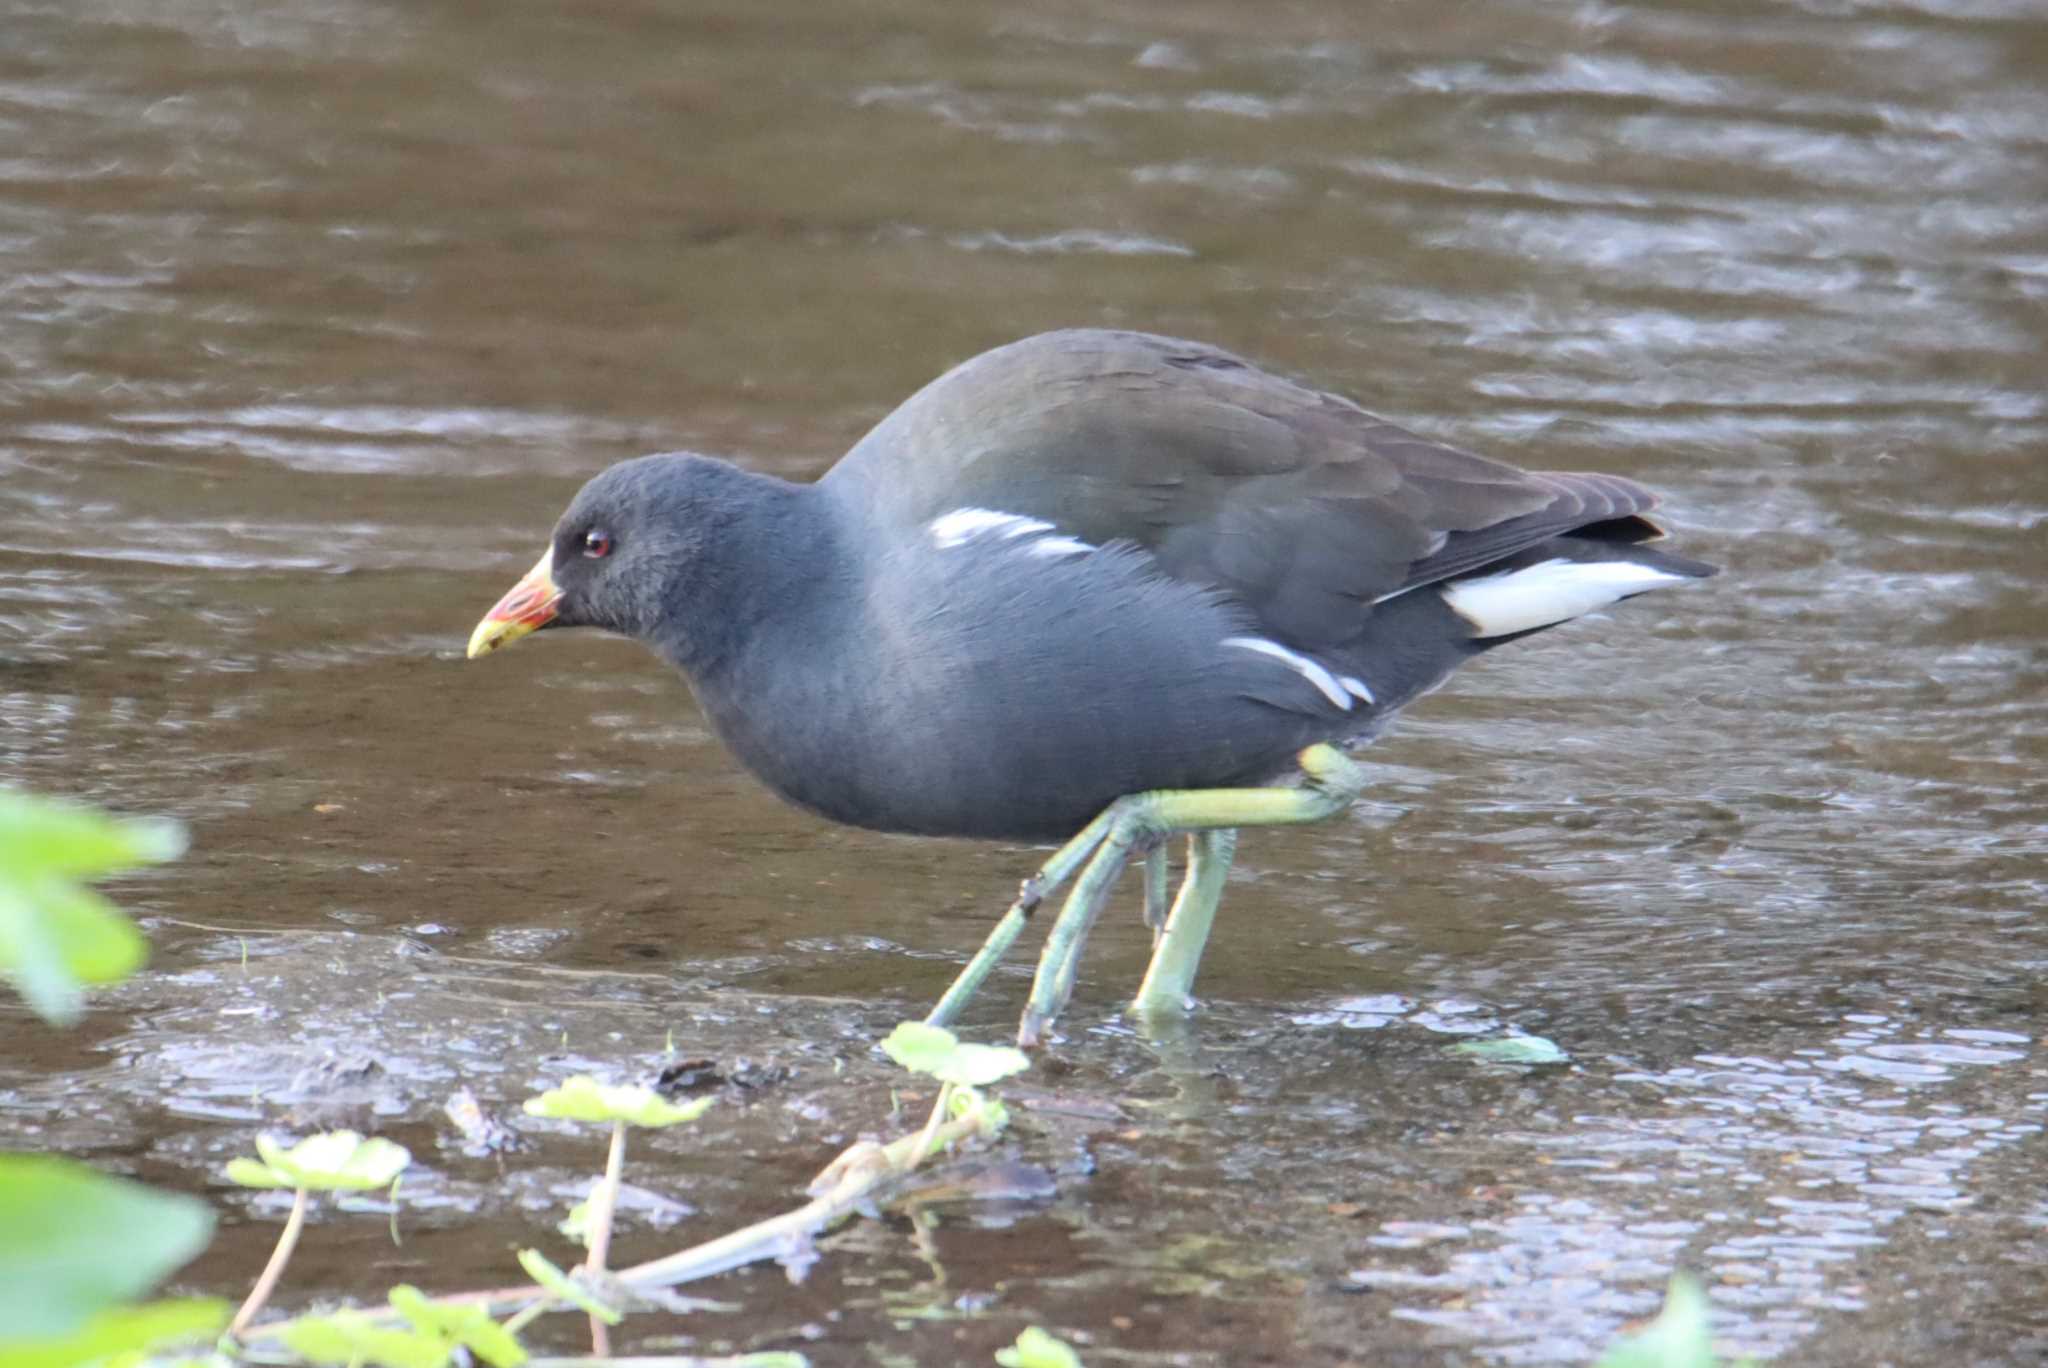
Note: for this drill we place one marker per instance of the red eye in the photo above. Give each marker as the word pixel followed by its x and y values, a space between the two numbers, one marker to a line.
pixel 597 543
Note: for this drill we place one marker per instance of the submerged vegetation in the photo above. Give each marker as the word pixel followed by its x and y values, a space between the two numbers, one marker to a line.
pixel 80 1250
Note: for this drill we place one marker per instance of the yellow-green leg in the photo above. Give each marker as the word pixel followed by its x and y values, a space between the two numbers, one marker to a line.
pixel 1156 881
pixel 1060 960
pixel 1050 876
pixel 1100 853
pixel 1177 950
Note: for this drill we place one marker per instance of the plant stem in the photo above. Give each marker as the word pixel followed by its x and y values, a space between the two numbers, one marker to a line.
pixel 858 1178
pixel 266 1282
pixel 853 1180
pixel 603 1203
pixel 604 1200
pixel 931 1126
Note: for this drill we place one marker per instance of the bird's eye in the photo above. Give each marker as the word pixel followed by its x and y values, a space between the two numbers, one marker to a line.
pixel 597 543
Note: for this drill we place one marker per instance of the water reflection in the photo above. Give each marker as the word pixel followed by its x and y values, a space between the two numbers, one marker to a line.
pixel 1772 1175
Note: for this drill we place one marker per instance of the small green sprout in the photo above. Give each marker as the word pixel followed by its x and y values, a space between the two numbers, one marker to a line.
pixel 56 935
pixel 1037 1349
pixel 936 1051
pixel 330 1162
pixel 583 1098
pixel 960 1068
pixel 995 1117
pixel 564 1288
pixel 333 1161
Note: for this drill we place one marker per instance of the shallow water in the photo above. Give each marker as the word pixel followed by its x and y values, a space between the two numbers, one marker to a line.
pixel 316 313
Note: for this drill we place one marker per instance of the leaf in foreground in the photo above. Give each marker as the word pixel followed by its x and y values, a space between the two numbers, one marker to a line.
pixel 936 1051
pixel 467 1325
pixel 124 1330
pixel 1680 1337
pixel 561 1286
pixel 1037 1349
pixel 74 1242
pixel 71 841
pixel 328 1162
pixel 583 1098
pixel 55 934
pixel 350 1338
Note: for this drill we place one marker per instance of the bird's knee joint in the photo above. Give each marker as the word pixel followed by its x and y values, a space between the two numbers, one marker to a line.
pixel 1134 827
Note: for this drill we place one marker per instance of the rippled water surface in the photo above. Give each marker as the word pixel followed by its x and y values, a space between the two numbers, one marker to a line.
pixel 313 314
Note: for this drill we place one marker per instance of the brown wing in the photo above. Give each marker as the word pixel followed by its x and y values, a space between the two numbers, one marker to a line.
pixel 1298 503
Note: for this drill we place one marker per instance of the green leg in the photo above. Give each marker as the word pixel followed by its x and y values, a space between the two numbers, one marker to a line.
pixel 1156 879
pixel 1060 960
pixel 1333 784
pixel 1104 846
pixel 1050 876
pixel 1178 951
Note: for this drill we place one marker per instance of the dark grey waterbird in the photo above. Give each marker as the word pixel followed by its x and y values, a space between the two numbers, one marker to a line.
pixel 1094 582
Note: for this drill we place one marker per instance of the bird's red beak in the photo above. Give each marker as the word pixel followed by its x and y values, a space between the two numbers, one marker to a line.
pixel 528 606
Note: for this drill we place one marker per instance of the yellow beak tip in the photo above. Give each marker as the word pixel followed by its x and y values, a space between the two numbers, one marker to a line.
pixel 492 633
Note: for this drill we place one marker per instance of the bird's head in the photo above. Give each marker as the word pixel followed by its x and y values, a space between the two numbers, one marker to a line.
pixel 623 556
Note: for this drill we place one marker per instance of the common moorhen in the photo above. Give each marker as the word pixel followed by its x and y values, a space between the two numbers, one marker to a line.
pixel 1091 581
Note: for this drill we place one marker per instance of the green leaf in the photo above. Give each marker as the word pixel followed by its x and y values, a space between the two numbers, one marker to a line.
pixel 41 836
pixel 56 936
pixel 560 1285
pixel 1516 1049
pixel 1036 1349
pixel 74 1242
pixel 123 1335
pixel 459 1324
pixel 936 1051
pixel 350 1338
pixel 330 1161
pixel 583 1098
pixel 576 1225
pixel 995 1116
pixel 1680 1337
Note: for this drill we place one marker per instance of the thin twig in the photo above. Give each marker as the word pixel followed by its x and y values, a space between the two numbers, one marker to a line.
pixel 266 1283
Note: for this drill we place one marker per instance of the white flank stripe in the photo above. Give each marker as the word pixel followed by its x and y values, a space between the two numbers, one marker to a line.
pixel 1554 591
pixel 963 525
pixel 1058 546
pixel 1301 665
pixel 1354 685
